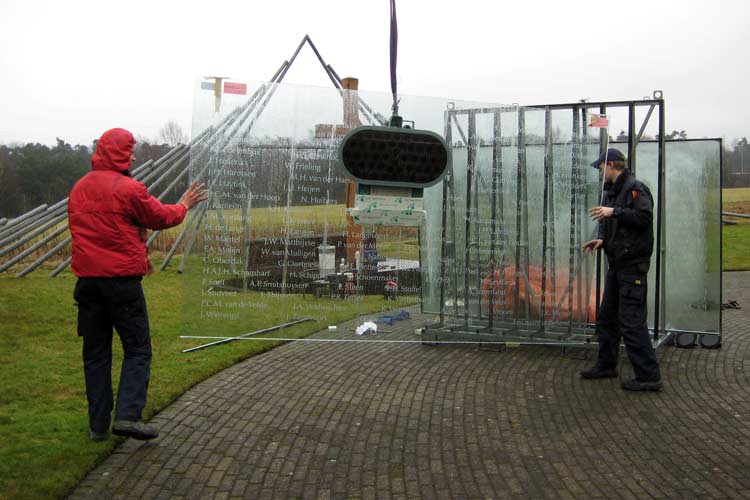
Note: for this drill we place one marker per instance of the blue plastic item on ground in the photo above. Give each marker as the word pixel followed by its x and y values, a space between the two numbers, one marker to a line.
pixel 387 320
pixel 402 315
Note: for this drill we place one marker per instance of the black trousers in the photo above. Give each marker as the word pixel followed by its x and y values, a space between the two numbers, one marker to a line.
pixel 622 315
pixel 104 303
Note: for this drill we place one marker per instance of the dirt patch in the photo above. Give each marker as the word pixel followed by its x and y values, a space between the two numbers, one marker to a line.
pixel 739 207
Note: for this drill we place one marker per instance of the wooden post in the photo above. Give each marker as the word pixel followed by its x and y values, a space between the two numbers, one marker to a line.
pixel 351 102
pixel 351 120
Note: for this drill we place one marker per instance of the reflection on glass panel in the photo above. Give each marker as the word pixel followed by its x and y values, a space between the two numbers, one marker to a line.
pixel 277 244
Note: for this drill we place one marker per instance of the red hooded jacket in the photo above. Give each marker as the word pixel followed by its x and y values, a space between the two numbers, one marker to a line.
pixel 109 212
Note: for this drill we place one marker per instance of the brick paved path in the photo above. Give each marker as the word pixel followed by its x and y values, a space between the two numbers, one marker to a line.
pixel 321 420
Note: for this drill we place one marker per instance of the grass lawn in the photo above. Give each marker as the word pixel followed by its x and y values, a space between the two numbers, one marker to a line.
pixel 44 444
pixel 735 239
pixel 735 195
pixel 735 244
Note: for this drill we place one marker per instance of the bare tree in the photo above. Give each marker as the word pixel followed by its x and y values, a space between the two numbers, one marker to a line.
pixel 171 133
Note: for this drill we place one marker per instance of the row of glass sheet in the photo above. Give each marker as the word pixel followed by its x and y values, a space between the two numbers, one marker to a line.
pixel 515 224
pixel 690 294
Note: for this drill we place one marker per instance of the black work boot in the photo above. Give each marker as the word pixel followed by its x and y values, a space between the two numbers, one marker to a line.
pixel 98 436
pixel 598 372
pixel 136 430
pixel 638 385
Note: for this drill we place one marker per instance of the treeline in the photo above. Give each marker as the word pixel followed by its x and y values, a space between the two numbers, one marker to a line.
pixel 37 174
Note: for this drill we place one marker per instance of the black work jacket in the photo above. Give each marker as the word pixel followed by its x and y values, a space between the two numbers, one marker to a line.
pixel 628 235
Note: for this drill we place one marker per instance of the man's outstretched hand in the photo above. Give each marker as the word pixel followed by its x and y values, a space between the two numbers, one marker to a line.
pixel 600 213
pixel 590 246
pixel 195 194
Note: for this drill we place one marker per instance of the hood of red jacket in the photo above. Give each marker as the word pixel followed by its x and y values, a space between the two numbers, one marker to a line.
pixel 113 150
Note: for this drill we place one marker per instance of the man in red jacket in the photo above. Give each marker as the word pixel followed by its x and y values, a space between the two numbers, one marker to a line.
pixel 109 213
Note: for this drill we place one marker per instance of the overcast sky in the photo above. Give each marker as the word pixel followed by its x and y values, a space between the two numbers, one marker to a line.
pixel 72 69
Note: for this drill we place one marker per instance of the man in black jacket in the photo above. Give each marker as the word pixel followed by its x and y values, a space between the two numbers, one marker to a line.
pixel 626 234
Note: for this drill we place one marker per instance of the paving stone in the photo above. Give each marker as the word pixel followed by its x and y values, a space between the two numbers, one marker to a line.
pixel 364 420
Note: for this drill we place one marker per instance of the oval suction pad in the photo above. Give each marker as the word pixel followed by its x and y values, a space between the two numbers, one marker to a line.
pixel 390 156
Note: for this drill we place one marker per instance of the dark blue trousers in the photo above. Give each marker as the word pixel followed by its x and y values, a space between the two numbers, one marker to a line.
pixel 622 315
pixel 104 304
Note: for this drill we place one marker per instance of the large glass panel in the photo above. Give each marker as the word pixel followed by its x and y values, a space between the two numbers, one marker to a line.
pixel 692 232
pixel 693 235
pixel 275 244
pixel 691 284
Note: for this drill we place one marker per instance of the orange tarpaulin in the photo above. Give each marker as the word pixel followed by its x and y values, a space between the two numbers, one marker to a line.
pixel 504 282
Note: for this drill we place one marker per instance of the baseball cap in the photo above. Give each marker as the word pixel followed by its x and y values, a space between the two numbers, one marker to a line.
pixel 612 155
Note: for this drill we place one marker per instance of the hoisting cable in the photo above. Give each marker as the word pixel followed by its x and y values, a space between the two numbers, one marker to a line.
pixel 394 155
pixel 396 120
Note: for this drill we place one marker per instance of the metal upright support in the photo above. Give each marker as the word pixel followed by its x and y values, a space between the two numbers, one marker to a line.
pixel 470 172
pixel 575 160
pixel 552 236
pixel 496 171
pixel 453 234
pixel 545 213
pixel 501 211
pixel 444 216
pixel 602 144
pixel 584 316
pixel 525 210
pixel 580 211
pixel 631 138
pixel 519 221
pixel 659 221
pixel 473 149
